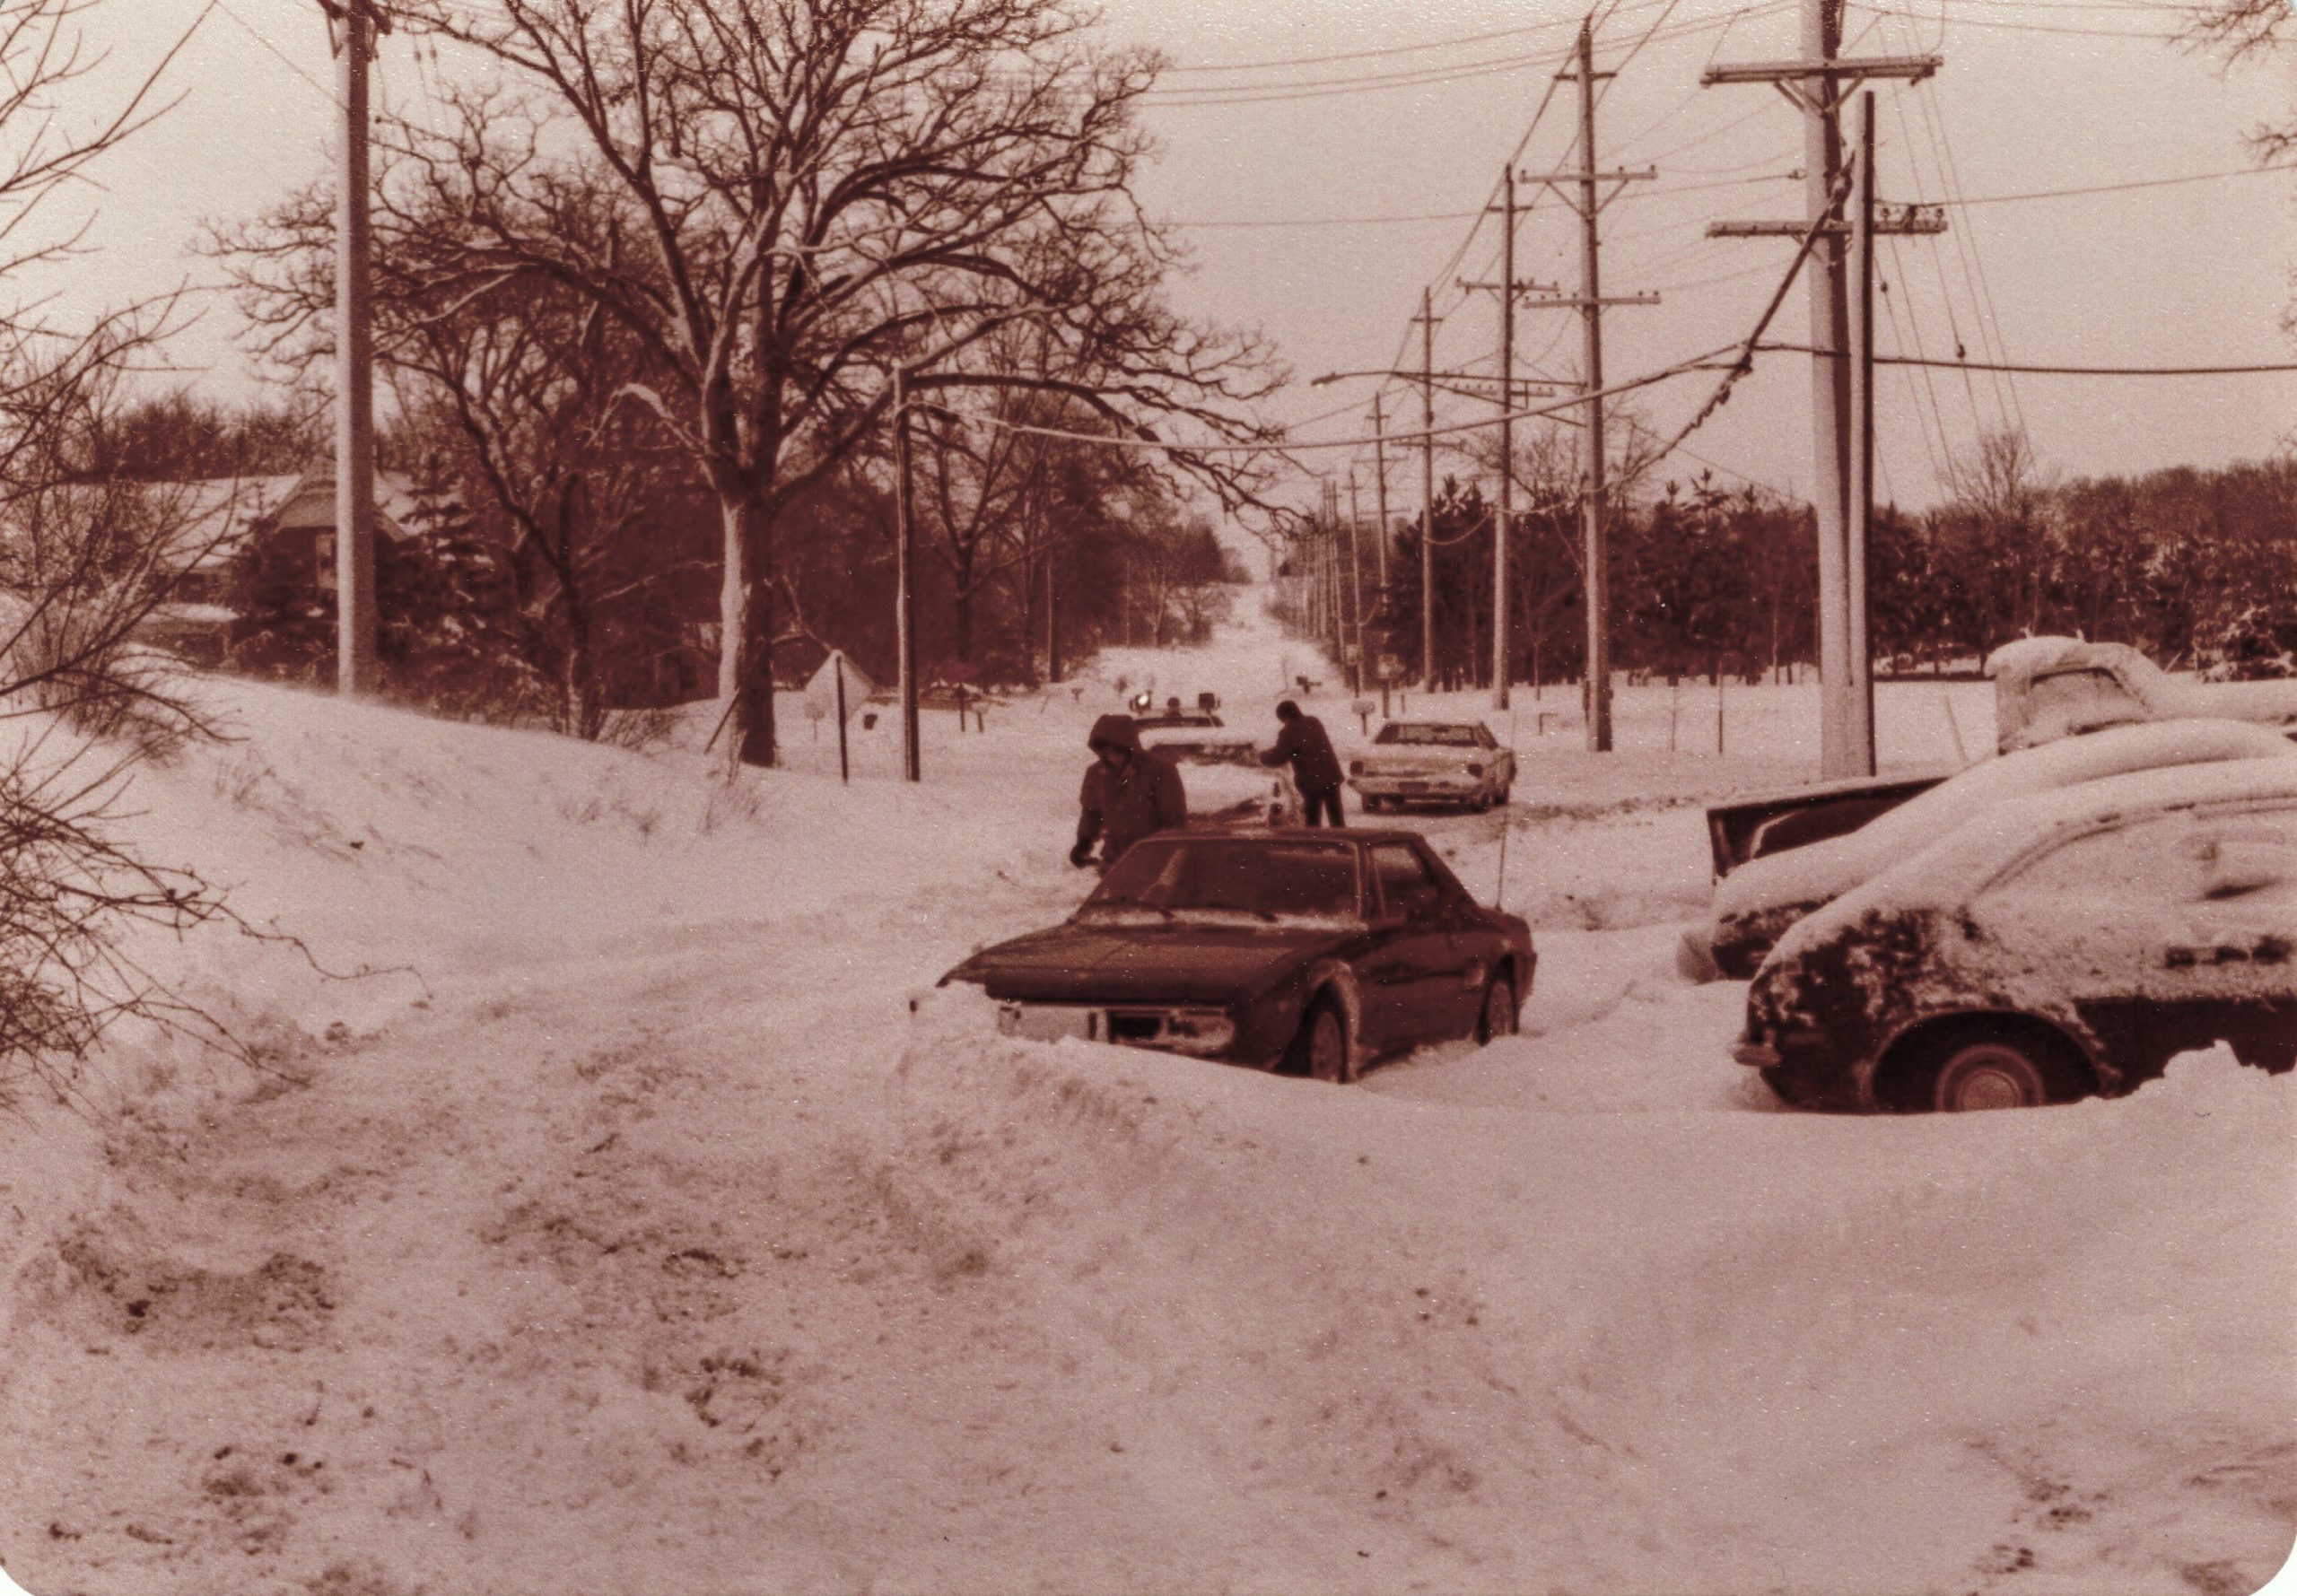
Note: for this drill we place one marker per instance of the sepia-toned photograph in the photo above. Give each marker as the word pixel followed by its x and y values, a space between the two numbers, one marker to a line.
pixel 1147 798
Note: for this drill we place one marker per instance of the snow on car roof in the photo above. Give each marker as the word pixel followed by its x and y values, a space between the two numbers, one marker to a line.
pixel 1820 870
pixel 2031 655
pixel 1945 873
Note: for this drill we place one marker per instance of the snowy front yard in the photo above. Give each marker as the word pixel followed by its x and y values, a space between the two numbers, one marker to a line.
pixel 622 1231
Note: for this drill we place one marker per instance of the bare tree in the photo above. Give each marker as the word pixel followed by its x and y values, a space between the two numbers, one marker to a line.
pixel 824 191
pixel 85 560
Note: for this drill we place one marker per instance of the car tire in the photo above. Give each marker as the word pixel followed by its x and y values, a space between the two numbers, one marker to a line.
pixel 1505 793
pixel 1320 1052
pixel 1373 806
pixel 1498 1014
pixel 1992 1073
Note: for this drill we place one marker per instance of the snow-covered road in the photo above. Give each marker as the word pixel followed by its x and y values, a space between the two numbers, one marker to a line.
pixel 648 1243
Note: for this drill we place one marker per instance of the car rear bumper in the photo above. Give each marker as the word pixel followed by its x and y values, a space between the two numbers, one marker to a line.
pixel 1429 789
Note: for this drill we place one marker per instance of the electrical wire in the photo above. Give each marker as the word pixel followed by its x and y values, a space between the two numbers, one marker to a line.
pixel 288 61
pixel 2053 370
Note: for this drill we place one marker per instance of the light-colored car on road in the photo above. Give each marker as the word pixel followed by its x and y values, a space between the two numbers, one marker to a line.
pixel 1432 762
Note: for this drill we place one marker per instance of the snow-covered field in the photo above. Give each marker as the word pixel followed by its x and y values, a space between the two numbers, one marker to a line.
pixel 618 1228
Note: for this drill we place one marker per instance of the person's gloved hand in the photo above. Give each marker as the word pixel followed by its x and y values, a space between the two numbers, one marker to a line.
pixel 1081 855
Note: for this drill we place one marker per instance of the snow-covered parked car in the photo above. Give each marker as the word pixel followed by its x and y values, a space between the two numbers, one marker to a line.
pixel 1433 762
pixel 1311 953
pixel 2050 688
pixel 1757 902
pixel 2070 943
pixel 2046 689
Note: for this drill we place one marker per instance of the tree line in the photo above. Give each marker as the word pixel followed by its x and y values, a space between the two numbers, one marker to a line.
pixel 2195 567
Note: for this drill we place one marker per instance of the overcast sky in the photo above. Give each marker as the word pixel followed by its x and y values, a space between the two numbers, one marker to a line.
pixel 1320 197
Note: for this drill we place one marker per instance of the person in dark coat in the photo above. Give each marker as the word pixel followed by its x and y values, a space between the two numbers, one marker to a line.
pixel 1315 768
pixel 1127 794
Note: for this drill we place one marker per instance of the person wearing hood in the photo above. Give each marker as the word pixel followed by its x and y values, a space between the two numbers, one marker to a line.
pixel 1128 793
pixel 1304 744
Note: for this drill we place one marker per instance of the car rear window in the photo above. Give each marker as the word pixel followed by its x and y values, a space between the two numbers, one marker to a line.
pixel 1427 737
pixel 1250 876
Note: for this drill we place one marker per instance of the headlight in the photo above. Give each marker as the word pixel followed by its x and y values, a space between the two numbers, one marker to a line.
pixel 1355 767
pixel 1475 770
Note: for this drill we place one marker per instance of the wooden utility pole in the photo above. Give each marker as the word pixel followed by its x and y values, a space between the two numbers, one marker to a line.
pixel 1051 622
pixel 1862 436
pixel 352 27
pixel 904 584
pixel 1380 470
pixel 1818 84
pixel 1502 609
pixel 1356 580
pixel 1427 319
pixel 1585 193
pixel 1507 288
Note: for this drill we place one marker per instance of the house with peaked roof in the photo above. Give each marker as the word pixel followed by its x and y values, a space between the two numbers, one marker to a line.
pixel 218 518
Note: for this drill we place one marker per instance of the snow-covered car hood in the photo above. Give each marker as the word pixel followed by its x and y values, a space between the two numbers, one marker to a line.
pixel 1082 961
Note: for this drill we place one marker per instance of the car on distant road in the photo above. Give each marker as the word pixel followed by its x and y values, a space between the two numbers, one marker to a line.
pixel 2069 943
pixel 1310 954
pixel 1755 904
pixel 1433 762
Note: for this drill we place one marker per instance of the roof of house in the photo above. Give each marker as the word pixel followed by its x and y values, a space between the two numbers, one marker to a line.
pixel 216 513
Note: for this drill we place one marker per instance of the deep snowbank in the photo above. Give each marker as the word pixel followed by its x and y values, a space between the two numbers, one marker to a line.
pixel 638 1238
pixel 1792 1352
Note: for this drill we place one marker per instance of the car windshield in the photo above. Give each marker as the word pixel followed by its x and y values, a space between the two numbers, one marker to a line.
pixel 1429 736
pixel 1267 878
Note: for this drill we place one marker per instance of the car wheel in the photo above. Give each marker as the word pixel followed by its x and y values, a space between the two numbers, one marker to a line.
pixel 1988 1074
pixel 1498 1017
pixel 1373 806
pixel 1320 1051
pixel 1505 792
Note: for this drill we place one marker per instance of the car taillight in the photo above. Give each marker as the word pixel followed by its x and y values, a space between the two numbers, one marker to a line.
pixel 1355 767
pixel 1475 770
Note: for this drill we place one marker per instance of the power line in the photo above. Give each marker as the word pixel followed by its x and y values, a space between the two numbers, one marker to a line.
pixel 1369 54
pixel 1193 95
pixel 1994 23
pixel 2199 176
pixel 1652 192
pixel 2049 370
pixel 288 61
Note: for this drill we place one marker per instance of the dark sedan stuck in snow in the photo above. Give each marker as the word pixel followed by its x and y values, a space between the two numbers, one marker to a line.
pixel 2068 943
pixel 1310 954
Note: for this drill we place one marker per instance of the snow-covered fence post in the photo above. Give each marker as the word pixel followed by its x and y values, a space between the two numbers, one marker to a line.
pixel 1953 724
